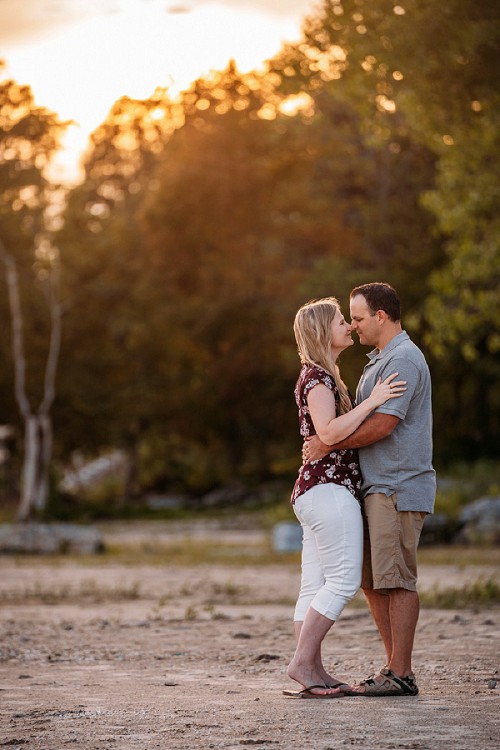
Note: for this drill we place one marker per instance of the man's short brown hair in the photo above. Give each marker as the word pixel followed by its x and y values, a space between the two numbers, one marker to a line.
pixel 380 296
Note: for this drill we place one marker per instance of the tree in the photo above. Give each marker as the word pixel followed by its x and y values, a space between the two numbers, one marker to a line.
pixel 110 343
pixel 37 423
pixel 386 166
pixel 28 137
pixel 428 71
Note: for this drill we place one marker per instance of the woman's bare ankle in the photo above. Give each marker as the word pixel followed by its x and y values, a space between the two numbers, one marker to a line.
pixel 305 675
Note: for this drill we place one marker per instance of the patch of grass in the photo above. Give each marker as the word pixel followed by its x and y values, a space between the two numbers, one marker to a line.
pixel 226 591
pixel 195 553
pixel 459 555
pixel 89 592
pixel 479 593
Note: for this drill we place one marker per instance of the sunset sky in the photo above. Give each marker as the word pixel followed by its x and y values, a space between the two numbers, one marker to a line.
pixel 80 56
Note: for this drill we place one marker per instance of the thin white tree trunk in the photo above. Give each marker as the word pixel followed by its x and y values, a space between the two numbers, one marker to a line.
pixel 17 332
pixel 45 422
pixel 41 494
pixel 37 427
pixel 54 344
pixel 29 471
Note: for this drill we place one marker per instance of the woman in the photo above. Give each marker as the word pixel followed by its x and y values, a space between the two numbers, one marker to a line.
pixel 325 495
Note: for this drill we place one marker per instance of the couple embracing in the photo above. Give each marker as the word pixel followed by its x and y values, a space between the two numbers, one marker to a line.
pixel 364 488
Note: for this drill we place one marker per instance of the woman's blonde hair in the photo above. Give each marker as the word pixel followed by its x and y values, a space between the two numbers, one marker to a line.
pixel 313 334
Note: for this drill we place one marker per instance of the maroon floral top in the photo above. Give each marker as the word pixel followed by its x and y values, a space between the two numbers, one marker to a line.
pixel 339 466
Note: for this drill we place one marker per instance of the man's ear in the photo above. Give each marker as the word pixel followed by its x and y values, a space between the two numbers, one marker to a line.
pixel 381 317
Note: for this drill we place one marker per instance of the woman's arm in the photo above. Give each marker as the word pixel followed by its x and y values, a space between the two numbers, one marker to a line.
pixel 332 429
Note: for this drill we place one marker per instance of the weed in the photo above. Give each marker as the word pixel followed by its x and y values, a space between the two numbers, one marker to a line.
pixel 481 592
pixel 191 613
pixel 228 589
pixel 214 615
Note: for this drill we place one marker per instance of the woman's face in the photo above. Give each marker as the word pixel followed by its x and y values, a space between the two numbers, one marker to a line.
pixel 341 334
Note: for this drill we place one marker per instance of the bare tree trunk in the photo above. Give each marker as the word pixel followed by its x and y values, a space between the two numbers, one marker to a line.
pixel 37 426
pixel 29 470
pixel 45 422
pixel 43 485
pixel 17 332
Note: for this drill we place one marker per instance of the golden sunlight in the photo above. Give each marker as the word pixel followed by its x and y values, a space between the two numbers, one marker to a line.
pixel 295 103
pixel 81 69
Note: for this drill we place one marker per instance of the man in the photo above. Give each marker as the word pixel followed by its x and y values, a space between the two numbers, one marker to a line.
pixel 399 483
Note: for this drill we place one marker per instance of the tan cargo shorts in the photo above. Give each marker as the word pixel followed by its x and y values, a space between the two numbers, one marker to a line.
pixel 390 544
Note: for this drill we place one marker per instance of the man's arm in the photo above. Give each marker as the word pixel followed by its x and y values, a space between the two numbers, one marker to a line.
pixel 374 428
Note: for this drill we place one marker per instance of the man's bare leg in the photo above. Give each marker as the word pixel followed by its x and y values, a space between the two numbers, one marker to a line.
pixel 396 615
pixel 379 604
pixel 404 610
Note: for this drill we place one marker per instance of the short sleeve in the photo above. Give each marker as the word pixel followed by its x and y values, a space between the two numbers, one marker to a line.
pixel 407 370
pixel 316 377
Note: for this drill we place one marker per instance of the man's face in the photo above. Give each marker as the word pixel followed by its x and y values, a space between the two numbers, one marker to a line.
pixel 364 322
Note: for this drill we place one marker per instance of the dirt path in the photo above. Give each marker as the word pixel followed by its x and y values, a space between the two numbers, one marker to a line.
pixel 112 656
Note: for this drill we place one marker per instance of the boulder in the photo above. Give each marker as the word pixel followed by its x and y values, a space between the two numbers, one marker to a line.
pixel 49 539
pixel 479 521
pixel 438 529
pixel 287 537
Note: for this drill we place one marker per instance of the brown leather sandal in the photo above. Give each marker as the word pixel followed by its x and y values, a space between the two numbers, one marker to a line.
pixel 389 685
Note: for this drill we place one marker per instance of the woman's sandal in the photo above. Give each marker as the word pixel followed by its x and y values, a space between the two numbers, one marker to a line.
pixel 390 685
pixel 338 684
pixel 307 693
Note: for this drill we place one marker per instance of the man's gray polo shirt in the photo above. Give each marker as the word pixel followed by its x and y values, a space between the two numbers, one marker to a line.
pixel 402 462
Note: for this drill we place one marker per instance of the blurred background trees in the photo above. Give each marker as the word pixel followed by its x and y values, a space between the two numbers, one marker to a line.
pixel 367 151
pixel 29 135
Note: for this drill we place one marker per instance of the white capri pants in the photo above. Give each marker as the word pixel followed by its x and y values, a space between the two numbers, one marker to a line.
pixel 332 550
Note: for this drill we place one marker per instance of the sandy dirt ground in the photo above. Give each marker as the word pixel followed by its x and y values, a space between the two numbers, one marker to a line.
pixel 106 655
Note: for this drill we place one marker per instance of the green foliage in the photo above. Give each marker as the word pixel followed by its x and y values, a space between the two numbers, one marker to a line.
pixel 464 291
pixel 428 71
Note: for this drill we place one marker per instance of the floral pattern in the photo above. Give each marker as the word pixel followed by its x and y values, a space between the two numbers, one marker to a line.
pixel 339 466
